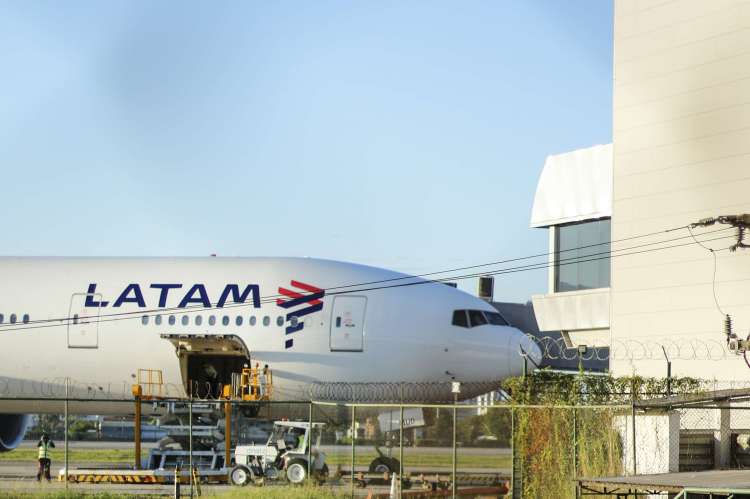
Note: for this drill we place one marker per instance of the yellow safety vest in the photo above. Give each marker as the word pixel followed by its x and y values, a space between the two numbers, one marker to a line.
pixel 44 450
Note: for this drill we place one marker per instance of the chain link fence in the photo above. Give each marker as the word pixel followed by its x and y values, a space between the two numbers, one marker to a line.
pixel 522 450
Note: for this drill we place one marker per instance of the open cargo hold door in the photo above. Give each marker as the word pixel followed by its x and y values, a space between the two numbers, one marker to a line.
pixel 207 362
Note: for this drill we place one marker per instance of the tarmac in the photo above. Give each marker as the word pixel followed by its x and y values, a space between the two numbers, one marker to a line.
pixel 20 476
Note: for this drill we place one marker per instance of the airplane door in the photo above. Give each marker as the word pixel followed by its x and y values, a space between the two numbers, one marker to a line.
pixel 83 322
pixel 348 323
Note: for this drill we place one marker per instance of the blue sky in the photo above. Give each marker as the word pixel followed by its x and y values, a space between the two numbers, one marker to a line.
pixel 408 135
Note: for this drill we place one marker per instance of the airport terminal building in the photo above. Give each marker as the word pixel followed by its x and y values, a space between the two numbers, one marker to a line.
pixel 680 153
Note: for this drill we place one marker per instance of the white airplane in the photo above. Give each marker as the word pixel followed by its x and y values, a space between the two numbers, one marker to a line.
pixel 321 326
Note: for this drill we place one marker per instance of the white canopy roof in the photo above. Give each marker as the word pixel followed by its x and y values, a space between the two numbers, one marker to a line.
pixel 574 186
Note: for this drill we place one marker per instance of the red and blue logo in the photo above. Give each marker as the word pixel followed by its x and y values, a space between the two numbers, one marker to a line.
pixel 306 301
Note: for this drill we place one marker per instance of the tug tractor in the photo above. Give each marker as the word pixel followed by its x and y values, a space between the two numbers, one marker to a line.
pixel 285 454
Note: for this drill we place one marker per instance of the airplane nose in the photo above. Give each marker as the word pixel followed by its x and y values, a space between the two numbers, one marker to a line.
pixel 519 344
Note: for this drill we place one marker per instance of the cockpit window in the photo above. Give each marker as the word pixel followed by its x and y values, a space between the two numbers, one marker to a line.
pixel 474 318
pixel 459 318
pixel 495 319
pixel 477 318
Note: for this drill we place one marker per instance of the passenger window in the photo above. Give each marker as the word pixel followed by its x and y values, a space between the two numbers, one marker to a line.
pixel 459 318
pixel 225 320
pixel 238 320
pixel 198 320
pixel 12 318
pixel 294 321
pixel 212 320
pixel 185 320
pixel 75 318
pixel 157 320
pixel 266 321
pixel 495 319
pixel 172 320
pixel 25 318
pixel 144 320
pixel 477 318
pixel 251 321
pixel 279 321
pixel 2 318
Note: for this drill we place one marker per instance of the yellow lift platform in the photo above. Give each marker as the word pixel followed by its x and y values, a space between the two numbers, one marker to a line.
pixel 249 385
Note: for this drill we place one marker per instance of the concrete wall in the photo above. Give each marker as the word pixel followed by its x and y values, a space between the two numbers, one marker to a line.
pixel 657 442
pixel 681 135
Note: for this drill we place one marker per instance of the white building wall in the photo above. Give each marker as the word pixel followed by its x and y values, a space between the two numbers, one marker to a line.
pixel 681 130
pixel 657 443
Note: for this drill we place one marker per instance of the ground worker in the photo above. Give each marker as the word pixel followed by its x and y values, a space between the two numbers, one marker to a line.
pixel 44 446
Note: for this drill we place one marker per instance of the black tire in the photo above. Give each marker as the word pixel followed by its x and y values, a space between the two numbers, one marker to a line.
pixel 384 465
pixel 240 476
pixel 296 471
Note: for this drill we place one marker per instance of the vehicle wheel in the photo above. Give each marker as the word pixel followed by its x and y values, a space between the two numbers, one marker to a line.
pixel 296 471
pixel 384 465
pixel 240 475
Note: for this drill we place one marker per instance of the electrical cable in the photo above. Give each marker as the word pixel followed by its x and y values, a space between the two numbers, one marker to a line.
pixel 538 266
pixel 713 280
pixel 271 298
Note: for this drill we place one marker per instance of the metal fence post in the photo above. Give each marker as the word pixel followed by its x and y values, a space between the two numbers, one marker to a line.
pixel 67 394
pixel 575 450
pixel 453 478
pixel 309 438
pixel 634 443
pixel 354 436
pixel 575 444
pixel 401 451
pixel 512 453
pixel 190 445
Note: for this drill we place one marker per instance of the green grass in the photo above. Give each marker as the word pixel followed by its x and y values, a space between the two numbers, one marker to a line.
pixel 363 457
pixel 274 492
pixel 74 455
pixel 62 494
pixel 443 459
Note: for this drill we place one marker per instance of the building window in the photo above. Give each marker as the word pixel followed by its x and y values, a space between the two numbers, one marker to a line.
pixel 212 320
pixel 172 320
pixel 251 321
pixel 185 320
pixel 581 255
pixel 225 320
pixel 266 321
pixel 144 320
pixel 198 320
pixel 157 320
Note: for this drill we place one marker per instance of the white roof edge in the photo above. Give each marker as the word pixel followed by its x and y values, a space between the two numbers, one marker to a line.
pixel 573 187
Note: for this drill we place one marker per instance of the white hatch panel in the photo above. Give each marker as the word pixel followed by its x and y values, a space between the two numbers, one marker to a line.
pixel 83 322
pixel 348 323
